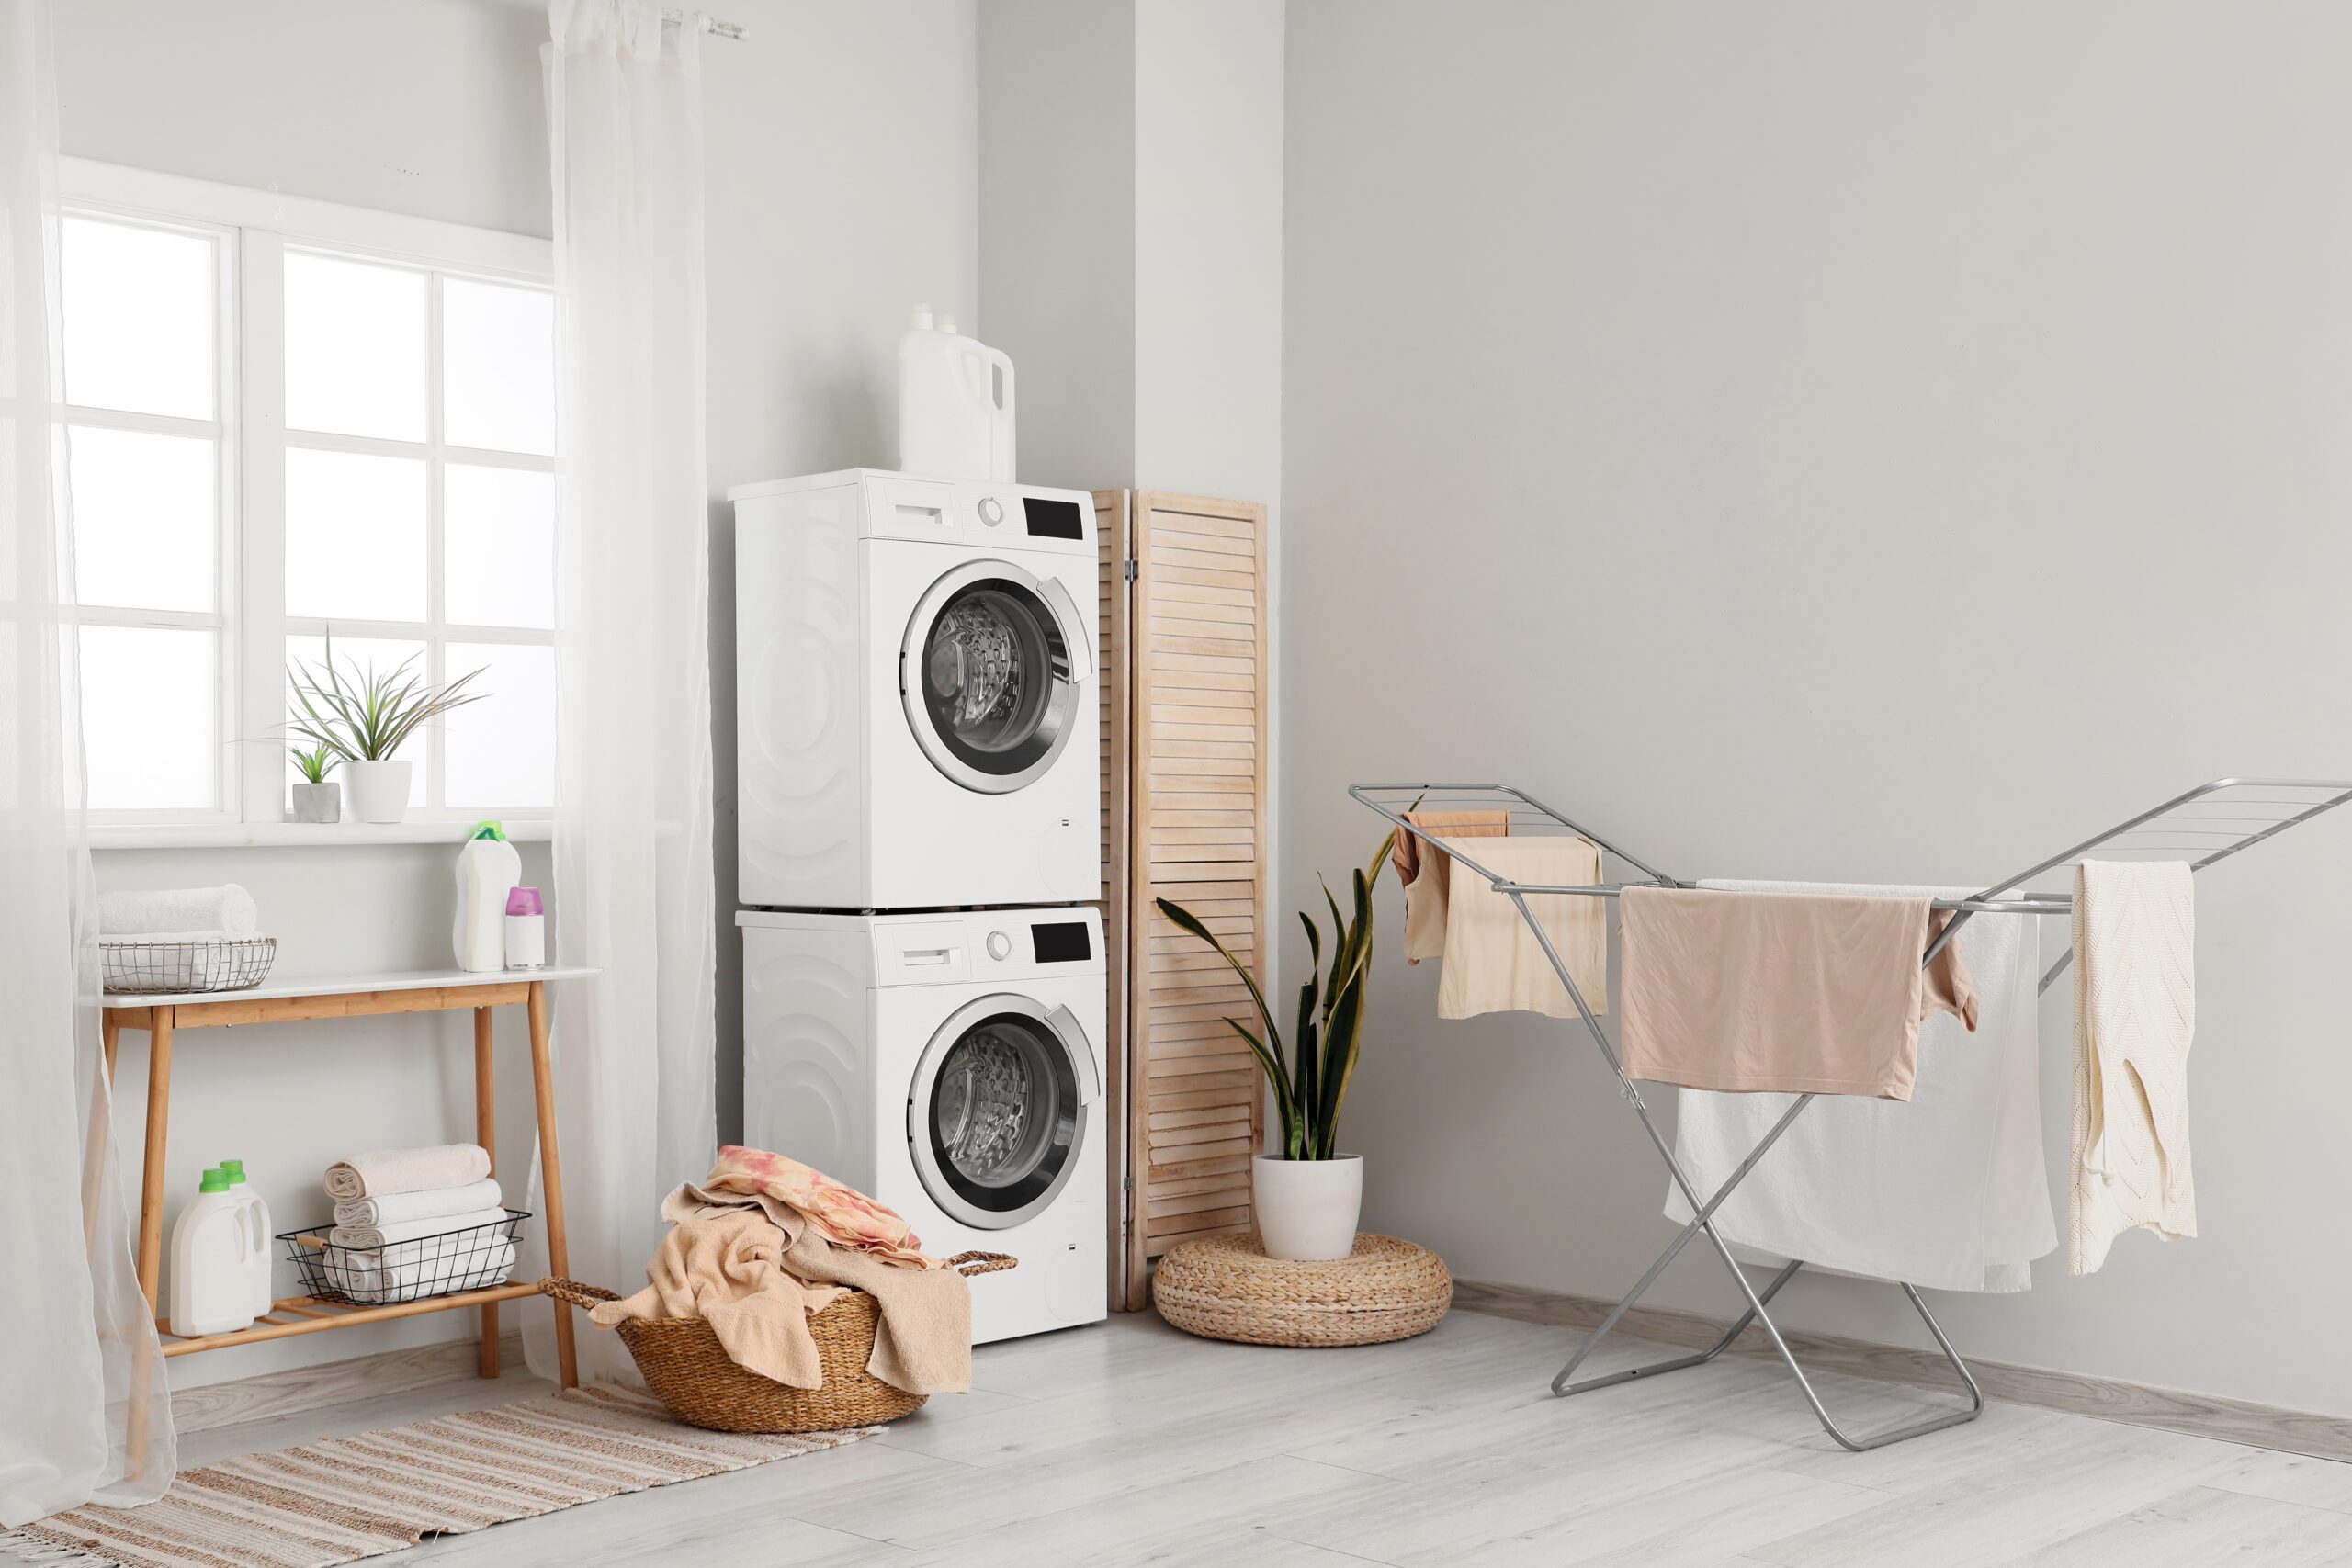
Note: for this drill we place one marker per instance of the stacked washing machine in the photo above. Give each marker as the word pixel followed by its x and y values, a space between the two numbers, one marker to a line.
pixel 920 799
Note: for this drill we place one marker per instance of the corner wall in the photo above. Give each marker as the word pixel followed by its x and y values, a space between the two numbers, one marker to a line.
pixel 1835 441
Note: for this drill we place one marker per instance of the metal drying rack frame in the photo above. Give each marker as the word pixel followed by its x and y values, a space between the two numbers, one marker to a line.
pixel 2205 825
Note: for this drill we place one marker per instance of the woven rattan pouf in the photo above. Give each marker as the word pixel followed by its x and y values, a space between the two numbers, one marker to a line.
pixel 1227 1288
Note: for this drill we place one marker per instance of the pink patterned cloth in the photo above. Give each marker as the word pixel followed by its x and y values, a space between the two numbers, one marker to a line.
pixel 843 1215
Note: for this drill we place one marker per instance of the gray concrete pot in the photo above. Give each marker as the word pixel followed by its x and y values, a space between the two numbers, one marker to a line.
pixel 318 802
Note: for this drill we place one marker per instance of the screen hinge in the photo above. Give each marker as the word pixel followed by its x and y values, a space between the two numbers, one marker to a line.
pixel 1129 571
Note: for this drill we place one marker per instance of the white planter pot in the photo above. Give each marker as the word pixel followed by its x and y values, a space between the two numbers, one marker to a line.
pixel 379 790
pixel 318 802
pixel 1307 1208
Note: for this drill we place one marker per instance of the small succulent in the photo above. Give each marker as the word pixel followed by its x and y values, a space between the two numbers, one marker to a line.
pixel 315 763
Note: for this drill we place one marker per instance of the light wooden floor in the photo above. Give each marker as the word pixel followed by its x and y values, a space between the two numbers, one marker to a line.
pixel 1132 1444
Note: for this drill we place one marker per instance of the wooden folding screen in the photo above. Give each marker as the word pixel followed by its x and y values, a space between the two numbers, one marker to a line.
pixel 1184 693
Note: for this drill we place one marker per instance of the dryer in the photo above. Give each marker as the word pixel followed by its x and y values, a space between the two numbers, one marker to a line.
pixel 916 714
pixel 950 1065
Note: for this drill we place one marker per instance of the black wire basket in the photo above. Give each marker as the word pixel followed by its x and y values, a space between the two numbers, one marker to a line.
pixel 467 1258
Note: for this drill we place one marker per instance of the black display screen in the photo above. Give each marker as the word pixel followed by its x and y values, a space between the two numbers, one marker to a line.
pixel 1053 519
pixel 1064 941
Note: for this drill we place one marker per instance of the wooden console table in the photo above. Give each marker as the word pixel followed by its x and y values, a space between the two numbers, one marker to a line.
pixel 353 996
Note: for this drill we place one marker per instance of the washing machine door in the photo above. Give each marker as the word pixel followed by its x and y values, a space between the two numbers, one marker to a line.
pixel 990 673
pixel 999 1106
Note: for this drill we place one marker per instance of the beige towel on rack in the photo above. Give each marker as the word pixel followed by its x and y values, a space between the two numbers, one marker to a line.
pixel 1799 993
pixel 1493 961
pixel 1426 872
pixel 2135 1009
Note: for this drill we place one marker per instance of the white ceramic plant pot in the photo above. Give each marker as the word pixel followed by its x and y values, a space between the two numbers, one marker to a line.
pixel 1307 1208
pixel 318 802
pixel 379 790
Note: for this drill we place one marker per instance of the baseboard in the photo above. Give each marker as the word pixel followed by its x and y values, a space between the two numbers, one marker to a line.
pixel 333 1383
pixel 2108 1399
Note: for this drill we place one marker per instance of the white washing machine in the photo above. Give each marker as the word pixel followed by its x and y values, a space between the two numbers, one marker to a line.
pixel 951 1065
pixel 915 707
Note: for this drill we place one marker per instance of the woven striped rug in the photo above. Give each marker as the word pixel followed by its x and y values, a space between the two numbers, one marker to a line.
pixel 347 1498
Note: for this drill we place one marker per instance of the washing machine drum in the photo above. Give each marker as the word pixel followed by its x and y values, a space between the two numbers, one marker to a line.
pixel 988 678
pixel 994 1117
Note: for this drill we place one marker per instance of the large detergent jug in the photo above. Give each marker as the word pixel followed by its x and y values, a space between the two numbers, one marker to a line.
pixel 214 1248
pixel 955 403
pixel 488 870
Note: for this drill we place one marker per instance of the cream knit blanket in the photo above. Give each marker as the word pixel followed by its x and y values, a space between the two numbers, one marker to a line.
pixel 2135 1009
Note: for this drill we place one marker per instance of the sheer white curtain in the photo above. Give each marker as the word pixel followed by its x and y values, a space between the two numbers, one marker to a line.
pixel 85 1410
pixel 635 1108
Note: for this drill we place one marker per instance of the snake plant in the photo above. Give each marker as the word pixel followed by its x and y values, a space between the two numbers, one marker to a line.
pixel 1311 1077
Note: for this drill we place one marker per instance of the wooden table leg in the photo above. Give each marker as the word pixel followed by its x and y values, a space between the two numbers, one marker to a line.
pixel 159 1117
pixel 109 1032
pixel 551 1179
pixel 486 1134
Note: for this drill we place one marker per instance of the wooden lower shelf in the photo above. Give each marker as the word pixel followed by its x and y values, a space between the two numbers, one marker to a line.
pixel 308 1314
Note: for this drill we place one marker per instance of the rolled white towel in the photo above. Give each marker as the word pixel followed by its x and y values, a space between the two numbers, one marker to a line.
pixel 393 1208
pixel 369 1277
pixel 401 1231
pixel 385 1171
pixel 226 910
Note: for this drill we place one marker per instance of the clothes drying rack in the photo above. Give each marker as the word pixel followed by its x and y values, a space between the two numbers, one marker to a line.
pixel 2206 825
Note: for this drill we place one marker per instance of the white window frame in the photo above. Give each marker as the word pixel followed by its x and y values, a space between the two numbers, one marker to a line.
pixel 257 228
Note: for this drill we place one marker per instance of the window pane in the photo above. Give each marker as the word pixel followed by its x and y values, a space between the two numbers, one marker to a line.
pixel 150 730
pixel 145 520
pixel 497 367
pixel 501 751
pixel 499 528
pixel 355 535
pixel 354 659
pixel 141 308
pixel 355 348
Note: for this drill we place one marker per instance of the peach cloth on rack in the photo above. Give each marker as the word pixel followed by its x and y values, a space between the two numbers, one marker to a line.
pixel 1795 993
pixel 842 1215
pixel 1426 871
pixel 1493 961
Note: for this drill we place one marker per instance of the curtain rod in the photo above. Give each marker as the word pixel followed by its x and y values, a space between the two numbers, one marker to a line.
pixel 709 24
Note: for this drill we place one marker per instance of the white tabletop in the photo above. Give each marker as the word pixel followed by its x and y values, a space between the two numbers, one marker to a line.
pixel 346 984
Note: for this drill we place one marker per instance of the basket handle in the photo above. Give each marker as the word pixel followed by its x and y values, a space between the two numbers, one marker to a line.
pixel 971 1263
pixel 578 1294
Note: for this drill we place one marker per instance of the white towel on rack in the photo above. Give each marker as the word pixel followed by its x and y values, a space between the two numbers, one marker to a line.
pixel 394 1233
pixel 1945 1190
pixel 393 1208
pixel 2135 1011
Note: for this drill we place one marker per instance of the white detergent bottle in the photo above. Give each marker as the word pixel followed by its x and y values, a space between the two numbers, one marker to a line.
pixel 211 1277
pixel 488 870
pixel 256 1224
pixel 956 404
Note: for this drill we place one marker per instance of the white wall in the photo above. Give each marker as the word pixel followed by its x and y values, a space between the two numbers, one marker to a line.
pixel 1849 441
pixel 842 187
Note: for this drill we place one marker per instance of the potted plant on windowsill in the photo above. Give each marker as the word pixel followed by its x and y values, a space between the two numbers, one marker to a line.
pixel 1308 1197
pixel 316 799
pixel 365 719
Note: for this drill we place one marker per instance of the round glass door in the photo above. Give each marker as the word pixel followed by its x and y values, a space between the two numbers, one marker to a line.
pixel 994 1117
pixel 986 676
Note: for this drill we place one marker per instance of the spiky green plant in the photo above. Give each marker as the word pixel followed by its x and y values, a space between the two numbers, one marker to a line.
pixel 1311 1086
pixel 365 718
pixel 314 763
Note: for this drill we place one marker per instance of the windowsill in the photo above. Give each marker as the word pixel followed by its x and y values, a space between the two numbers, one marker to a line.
pixel 299 835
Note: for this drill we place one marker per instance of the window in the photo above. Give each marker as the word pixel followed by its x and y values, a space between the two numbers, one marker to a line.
pixel 284 420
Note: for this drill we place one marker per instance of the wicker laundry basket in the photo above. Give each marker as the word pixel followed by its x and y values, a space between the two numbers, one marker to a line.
pixel 688 1369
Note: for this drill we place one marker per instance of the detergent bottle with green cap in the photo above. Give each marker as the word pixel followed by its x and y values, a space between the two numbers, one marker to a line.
pixel 214 1243
pixel 256 1219
pixel 488 870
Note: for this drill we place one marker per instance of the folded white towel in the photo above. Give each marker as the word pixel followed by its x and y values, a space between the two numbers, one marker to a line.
pixel 386 1171
pixel 381 1277
pixel 393 1208
pixel 433 1226
pixel 229 910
